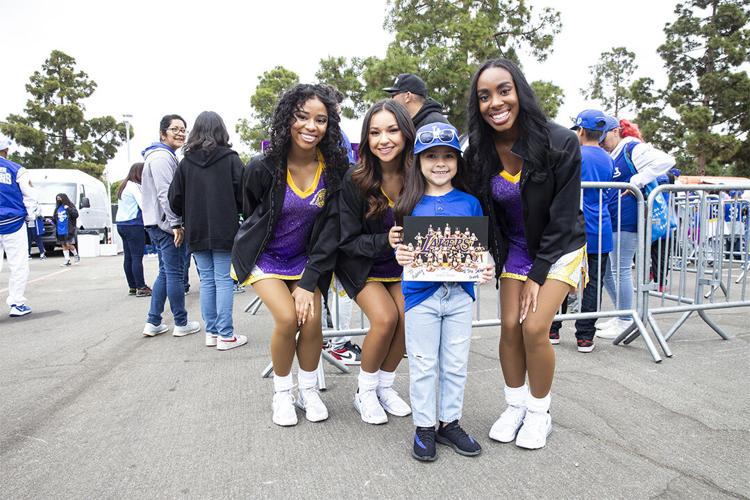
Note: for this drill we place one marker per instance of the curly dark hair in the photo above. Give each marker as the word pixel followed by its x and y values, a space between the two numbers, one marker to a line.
pixel 368 175
pixel 481 155
pixel 331 145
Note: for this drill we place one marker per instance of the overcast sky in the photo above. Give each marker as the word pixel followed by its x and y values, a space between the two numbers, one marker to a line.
pixel 153 58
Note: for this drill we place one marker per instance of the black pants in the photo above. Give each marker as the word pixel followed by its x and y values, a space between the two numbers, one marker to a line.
pixel 586 328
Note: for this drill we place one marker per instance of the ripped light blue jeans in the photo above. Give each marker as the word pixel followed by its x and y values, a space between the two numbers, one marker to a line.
pixel 438 336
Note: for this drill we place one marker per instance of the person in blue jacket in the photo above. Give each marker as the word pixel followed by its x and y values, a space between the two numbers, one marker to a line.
pixel 16 204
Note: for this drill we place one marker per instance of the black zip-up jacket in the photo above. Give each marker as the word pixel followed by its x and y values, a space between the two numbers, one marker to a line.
pixel 551 194
pixel 263 198
pixel 206 192
pixel 362 240
pixel 430 112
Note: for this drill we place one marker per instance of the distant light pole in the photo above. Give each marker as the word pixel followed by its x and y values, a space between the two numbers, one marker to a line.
pixel 127 132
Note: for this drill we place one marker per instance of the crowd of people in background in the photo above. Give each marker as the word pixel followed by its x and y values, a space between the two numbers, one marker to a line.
pixel 304 222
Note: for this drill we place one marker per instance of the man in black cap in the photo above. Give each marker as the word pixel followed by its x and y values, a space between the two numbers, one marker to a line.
pixel 411 91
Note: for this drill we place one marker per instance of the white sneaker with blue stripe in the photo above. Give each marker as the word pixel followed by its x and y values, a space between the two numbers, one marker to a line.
pixel 17 310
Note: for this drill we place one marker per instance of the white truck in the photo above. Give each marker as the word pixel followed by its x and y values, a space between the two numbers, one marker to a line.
pixel 89 194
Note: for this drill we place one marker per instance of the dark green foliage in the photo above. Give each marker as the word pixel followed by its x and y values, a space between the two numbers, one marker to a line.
pixel 610 80
pixel 703 114
pixel 271 85
pixel 53 129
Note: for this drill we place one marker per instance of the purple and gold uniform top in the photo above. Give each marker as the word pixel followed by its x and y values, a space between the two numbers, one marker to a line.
pixel 285 255
pixel 386 268
pixel 506 191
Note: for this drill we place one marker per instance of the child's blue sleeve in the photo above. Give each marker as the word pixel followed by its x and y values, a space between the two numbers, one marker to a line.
pixel 477 208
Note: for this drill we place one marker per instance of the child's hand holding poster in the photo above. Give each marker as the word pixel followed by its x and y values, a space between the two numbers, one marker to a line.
pixel 446 248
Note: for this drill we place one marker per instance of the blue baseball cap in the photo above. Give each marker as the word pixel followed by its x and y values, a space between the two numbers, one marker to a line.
pixel 436 134
pixel 591 119
pixel 612 123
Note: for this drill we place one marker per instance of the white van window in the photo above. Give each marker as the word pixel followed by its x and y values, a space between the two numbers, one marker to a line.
pixel 46 192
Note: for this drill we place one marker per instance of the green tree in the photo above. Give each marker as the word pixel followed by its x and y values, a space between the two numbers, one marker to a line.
pixel 271 85
pixel 344 75
pixel 53 130
pixel 113 190
pixel 706 51
pixel 610 80
pixel 550 97
pixel 443 41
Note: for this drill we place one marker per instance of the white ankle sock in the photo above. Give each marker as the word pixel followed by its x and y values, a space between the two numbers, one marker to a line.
pixel 66 254
pixel 281 384
pixel 367 381
pixel 74 252
pixel 538 405
pixel 385 379
pixel 516 396
pixel 307 380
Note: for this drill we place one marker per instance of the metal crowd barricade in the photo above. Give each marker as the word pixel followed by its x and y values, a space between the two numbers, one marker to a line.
pixel 710 242
pixel 707 252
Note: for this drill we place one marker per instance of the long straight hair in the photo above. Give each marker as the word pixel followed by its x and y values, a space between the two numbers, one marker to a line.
pixel 415 186
pixel 368 174
pixel 481 155
pixel 134 175
pixel 64 200
pixel 209 132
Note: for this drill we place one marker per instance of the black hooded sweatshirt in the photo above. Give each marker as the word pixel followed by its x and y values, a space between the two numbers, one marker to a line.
pixel 430 112
pixel 207 193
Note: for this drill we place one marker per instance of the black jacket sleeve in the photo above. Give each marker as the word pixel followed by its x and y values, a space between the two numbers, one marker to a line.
pixel 72 212
pixel 355 241
pixel 565 163
pixel 322 256
pixel 256 181
pixel 176 194
pixel 237 173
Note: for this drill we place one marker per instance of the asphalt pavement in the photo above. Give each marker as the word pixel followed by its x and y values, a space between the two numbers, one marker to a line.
pixel 89 408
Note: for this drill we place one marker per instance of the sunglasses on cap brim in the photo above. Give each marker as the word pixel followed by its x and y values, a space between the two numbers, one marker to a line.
pixel 429 136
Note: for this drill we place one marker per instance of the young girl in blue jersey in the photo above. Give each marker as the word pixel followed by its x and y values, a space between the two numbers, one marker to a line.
pixel 438 315
pixel 65 217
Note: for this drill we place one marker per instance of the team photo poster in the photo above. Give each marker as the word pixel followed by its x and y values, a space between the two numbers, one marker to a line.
pixel 446 248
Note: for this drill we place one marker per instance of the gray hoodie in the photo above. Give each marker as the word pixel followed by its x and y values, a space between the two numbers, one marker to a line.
pixel 159 167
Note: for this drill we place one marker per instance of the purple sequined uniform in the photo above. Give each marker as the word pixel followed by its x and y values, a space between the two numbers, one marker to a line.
pixel 386 268
pixel 507 194
pixel 285 254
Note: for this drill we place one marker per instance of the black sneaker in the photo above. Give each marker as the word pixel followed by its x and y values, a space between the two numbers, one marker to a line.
pixel 131 291
pixel 454 436
pixel 554 338
pixel 424 444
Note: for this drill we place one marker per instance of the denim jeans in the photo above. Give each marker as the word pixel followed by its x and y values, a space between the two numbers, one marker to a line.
pixel 168 283
pixel 621 258
pixel 438 336
pixel 133 243
pixel 217 294
pixel 186 256
pixel 586 328
pixel 35 237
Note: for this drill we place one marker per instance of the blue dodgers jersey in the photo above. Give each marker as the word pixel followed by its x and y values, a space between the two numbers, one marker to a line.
pixel 62 221
pixel 596 166
pixel 628 206
pixel 12 209
pixel 453 204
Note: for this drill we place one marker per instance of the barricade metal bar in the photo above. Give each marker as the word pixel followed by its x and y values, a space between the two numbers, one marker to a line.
pixel 706 242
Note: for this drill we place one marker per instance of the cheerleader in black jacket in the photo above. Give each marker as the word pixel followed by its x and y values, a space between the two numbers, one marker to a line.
pixel 286 247
pixel 366 265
